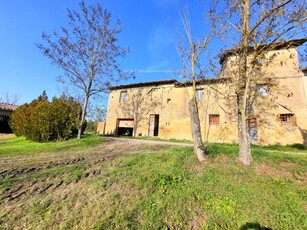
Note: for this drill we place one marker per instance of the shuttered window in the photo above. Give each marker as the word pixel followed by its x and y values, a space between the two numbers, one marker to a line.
pixel 214 119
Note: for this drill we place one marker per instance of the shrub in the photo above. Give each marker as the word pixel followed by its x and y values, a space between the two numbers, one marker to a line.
pixel 19 118
pixel 39 126
pixel 65 114
pixel 298 146
pixel 43 121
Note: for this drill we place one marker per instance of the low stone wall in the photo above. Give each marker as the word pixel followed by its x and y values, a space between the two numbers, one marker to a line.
pixel 101 127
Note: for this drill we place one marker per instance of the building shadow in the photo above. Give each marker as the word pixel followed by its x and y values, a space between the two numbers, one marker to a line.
pixel 254 226
pixel 304 134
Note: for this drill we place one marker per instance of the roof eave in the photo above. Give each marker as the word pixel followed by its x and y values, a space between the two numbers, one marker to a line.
pixel 142 84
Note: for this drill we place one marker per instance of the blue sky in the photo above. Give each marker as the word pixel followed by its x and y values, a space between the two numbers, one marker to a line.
pixel 151 30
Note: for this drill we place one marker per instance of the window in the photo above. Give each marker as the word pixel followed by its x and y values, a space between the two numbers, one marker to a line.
pixel 123 97
pixel 260 61
pixel 286 119
pixel 252 123
pixel 263 90
pixel 199 94
pixel 168 101
pixel 214 119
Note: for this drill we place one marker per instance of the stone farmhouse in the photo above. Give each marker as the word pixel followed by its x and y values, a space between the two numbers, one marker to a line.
pixel 5 113
pixel 278 109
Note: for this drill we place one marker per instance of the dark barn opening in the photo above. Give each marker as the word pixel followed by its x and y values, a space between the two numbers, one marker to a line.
pixel 125 127
pixel 4 124
pixel 125 131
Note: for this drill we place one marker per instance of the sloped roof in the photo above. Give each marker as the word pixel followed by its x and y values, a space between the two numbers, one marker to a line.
pixel 7 107
pixel 141 84
pixel 204 81
pixel 304 69
pixel 274 46
pixel 175 82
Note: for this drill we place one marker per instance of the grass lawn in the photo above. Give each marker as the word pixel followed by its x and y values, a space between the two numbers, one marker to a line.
pixel 103 185
pixel 16 146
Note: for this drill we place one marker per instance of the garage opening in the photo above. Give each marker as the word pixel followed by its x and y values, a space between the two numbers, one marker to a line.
pixel 125 127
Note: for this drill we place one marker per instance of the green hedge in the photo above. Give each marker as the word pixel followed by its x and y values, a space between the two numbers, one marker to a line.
pixel 43 121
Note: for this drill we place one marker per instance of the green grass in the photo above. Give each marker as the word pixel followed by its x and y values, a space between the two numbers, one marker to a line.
pixel 17 146
pixel 159 188
pixel 219 195
pixel 287 148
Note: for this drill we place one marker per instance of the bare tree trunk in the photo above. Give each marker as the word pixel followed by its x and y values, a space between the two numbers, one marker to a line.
pixel 245 156
pixel 135 125
pixel 199 148
pixel 82 117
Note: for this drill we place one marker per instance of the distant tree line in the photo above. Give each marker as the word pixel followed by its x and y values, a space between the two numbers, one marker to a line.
pixel 43 121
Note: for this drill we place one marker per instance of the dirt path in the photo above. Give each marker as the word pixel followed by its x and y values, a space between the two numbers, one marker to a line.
pixel 4 136
pixel 129 141
pixel 43 173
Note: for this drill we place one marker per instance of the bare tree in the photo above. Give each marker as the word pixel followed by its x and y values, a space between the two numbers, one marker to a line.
pixel 192 53
pixel 259 26
pixel 9 99
pixel 87 52
pixel 137 104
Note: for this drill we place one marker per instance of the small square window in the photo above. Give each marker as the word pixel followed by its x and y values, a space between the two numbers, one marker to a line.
pixel 199 94
pixel 260 61
pixel 286 119
pixel 263 90
pixel 123 97
pixel 214 119
pixel 252 123
pixel 168 101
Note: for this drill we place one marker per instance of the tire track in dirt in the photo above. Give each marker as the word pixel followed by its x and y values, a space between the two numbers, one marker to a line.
pixel 92 159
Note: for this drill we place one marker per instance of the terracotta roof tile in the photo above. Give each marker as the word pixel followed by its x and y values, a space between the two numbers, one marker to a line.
pixel 7 107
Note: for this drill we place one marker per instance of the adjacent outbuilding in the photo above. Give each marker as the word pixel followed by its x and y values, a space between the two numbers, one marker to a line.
pixel 5 113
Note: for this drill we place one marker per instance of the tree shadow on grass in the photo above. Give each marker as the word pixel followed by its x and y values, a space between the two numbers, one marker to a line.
pixel 254 226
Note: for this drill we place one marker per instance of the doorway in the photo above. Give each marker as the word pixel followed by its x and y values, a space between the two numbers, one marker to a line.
pixel 153 125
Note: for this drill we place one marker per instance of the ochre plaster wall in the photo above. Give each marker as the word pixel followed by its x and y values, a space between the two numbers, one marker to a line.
pixel 288 95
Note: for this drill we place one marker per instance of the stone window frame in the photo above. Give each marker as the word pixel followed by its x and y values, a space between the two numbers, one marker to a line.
pixel 123 96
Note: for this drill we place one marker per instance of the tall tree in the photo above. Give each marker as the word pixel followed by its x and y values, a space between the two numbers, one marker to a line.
pixel 259 26
pixel 87 52
pixel 192 53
